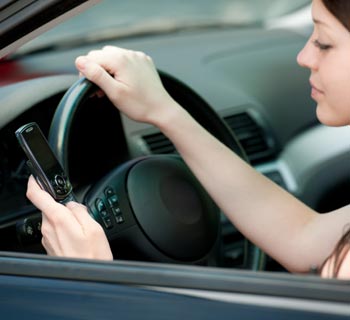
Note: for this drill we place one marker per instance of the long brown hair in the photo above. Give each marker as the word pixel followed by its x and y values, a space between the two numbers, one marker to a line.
pixel 341 10
pixel 337 256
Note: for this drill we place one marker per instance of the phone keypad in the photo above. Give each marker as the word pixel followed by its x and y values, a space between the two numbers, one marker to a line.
pixel 61 184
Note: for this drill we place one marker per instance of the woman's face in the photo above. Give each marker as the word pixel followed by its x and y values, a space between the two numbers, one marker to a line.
pixel 327 55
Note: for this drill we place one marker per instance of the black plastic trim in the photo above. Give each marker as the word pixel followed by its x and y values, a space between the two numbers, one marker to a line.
pixel 31 17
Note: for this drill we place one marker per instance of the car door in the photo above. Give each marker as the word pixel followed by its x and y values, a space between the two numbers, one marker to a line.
pixel 34 287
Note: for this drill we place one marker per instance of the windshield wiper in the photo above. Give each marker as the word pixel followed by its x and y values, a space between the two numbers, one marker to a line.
pixel 139 30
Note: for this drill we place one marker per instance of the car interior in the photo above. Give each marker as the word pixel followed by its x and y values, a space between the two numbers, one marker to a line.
pixel 247 75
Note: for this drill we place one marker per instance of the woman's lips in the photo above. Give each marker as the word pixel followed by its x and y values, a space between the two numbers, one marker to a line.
pixel 315 92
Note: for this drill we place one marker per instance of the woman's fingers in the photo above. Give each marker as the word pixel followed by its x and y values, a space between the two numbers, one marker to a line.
pixel 129 79
pixel 40 198
pixel 54 211
pixel 68 231
pixel 98 75
pixel 92 231
pixel 81 214
pixel 114 68
pixel 58 223
pixel 49 237
pixel 112 59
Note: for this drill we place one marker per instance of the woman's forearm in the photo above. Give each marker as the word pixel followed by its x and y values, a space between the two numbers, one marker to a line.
pixel 265 213
pixel 282 226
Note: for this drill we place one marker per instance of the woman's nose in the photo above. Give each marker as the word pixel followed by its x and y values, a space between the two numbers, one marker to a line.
pixel 307 57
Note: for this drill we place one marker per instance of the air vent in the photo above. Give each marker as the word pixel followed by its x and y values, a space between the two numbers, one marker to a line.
pixel 158 143
pixel 251 136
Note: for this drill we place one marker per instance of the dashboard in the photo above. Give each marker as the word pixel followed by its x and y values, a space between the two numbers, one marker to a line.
pixel 248 76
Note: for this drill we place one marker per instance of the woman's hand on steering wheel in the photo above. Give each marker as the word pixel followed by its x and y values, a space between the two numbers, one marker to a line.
pixel 129 79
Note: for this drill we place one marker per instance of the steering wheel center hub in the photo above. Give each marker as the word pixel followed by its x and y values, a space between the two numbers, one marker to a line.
pixel 179 199
pixel 172 208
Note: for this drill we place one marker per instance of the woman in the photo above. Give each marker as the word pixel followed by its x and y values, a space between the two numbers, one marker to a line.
pixel 252 202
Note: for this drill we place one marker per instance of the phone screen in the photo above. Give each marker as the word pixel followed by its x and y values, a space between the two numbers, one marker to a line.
pixel 40 148
pixel 42 162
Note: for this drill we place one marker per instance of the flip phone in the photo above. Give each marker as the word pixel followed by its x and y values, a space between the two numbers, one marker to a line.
pixel 43 163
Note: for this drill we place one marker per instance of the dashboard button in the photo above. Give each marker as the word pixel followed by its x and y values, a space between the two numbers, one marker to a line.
pixel 107 222
pixel 100 206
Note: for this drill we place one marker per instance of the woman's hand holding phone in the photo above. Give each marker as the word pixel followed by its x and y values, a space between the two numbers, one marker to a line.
pixel 68 230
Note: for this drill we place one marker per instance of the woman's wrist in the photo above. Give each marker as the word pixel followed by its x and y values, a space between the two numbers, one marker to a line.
pixel 170 115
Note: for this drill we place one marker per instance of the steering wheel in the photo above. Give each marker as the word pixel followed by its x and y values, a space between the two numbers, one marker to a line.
pixel 153 206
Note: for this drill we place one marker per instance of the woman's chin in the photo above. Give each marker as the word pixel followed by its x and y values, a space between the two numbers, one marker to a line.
pixel 328 118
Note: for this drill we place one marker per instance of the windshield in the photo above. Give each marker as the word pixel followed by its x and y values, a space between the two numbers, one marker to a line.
pixel 134 15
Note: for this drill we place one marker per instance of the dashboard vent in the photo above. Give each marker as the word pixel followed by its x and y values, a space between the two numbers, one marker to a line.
pixel 251 136
pixel 158 143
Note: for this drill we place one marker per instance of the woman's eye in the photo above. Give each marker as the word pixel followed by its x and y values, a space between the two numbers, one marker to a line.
pixel 321 46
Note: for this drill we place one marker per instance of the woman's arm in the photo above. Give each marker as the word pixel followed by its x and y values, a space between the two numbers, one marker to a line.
pixel 277 222
pixel 282 226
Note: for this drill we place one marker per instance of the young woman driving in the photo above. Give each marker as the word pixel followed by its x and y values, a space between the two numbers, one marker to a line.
pixel 285 228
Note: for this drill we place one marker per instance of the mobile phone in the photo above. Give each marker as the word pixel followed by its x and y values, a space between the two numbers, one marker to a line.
pixel 43 163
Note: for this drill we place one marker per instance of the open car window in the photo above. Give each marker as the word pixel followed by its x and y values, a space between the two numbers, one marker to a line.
pixel 227 55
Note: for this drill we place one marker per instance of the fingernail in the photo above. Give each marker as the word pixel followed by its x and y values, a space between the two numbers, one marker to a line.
pixel 81 62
